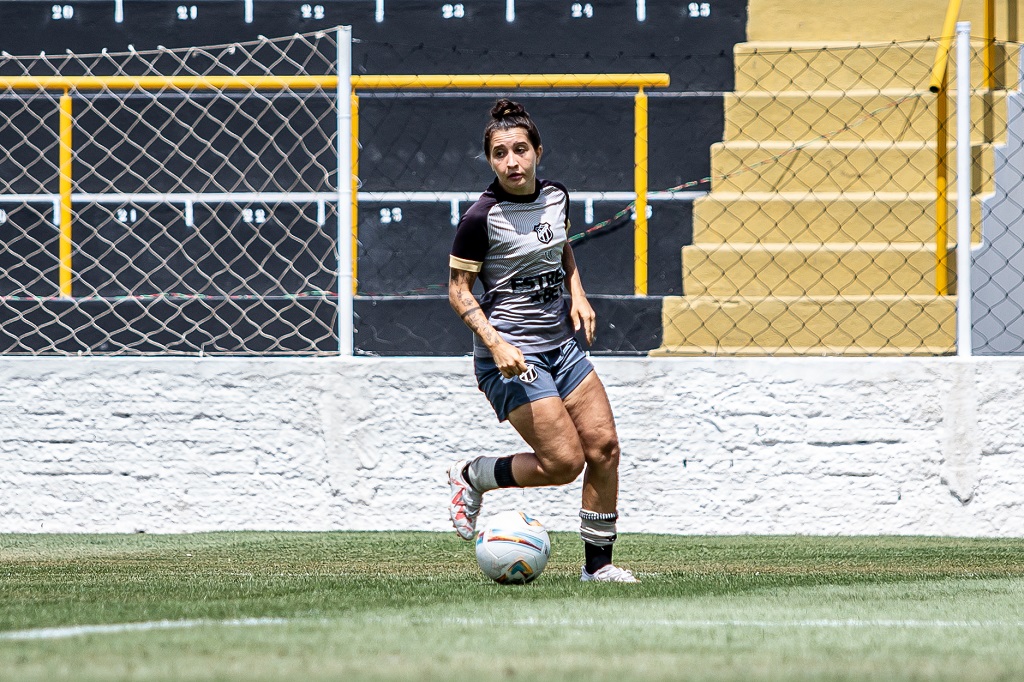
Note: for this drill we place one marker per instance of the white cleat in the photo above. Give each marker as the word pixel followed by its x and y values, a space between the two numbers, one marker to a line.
pixel 609 574
pixel 465 504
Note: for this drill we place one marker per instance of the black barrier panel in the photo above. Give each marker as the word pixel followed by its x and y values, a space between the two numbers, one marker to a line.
pixel 184 23
pixel 404 247
pixel 681 130
pixel 29 250
pixel 230 249
pixel 416 325
pixel 669 230
pixel 435 143
pixel 53 26
pixel 210 325
pixel 29 143
pixel 250 142
pixel 626 325
pixel 690 40
pixel 605 255
pixel 426 325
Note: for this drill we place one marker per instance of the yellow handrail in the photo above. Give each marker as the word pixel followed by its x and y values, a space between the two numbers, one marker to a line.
pixel 558 81
pixel 355 193
pixel 533 81
pixel 990 44
pixel 66 156
pixel 564 81
pixel 640 174
pixel 941 63
pixel 159 82
pixel 942 190
pixel 396 82
pixel 940 85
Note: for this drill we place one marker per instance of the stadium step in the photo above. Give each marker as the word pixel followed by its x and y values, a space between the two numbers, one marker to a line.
pixel 869 22
pixel 855 116
pixel 809 269
pixel 819 217
pixel 846 65
pixel 787 166
pixel 808 325
pixel 819 234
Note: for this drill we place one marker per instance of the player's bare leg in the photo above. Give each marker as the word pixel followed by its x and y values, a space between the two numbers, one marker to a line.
pixel 557 457
pixel 591 413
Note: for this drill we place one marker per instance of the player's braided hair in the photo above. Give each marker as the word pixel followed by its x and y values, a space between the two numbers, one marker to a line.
pixel 505 115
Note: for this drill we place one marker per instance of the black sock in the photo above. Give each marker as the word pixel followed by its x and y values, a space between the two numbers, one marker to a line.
pixel 503 473
pixel 488 473
pixel 597 556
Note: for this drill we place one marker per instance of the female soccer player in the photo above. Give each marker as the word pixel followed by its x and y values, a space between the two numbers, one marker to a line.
pixel 525 357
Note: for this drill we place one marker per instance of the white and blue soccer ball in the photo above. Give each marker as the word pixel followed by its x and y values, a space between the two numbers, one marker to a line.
pixel 512 548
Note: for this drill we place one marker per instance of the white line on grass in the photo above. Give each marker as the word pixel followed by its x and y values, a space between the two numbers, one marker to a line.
pixel 114 628
pixel 768 624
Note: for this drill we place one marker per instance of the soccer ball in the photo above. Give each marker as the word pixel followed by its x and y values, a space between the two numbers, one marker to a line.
pixel 512 548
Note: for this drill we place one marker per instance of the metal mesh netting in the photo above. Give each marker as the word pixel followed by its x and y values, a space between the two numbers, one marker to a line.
pixel 203 219
pixel 830 225
pixel 200 217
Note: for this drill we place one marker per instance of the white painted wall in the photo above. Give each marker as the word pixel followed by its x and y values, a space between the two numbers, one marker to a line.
pixel 710 445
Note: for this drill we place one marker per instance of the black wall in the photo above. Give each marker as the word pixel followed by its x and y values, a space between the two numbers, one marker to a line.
pixel 413 142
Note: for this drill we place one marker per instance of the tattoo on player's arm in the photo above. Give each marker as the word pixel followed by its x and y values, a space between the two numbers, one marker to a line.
pixel 470 312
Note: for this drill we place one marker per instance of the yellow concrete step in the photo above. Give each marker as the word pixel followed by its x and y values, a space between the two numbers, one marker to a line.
pixel 812 66
pixel 865 21
pixel 818 217
pixel 809 269
pixel 890 116
pixel 779 325
pixel 836 167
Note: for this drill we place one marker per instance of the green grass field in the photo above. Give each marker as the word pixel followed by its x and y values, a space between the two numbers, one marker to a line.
pixel 413 606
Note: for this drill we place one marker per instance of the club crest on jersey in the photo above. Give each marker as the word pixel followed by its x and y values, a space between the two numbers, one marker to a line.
pixel 544 232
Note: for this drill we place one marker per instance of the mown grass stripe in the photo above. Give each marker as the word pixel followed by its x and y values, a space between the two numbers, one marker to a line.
pixel 116 628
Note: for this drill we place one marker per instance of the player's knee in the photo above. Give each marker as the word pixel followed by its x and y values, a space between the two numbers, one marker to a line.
pixel 605 455
pixel 564 470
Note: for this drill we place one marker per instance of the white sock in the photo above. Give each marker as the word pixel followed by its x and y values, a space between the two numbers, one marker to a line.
pixel 481 474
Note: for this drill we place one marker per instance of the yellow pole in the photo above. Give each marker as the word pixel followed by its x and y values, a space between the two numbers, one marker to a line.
pixel 390 82
pixel 355 196
pixel 941 193
pixel 640 184
pixel 512 80
pixel 945 40
pixel 64 243
pixel 990 44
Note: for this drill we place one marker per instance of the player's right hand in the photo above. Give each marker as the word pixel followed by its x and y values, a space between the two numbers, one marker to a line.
pixel 509 360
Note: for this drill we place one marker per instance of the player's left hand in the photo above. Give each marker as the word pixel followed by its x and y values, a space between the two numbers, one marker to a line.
pixel 583 317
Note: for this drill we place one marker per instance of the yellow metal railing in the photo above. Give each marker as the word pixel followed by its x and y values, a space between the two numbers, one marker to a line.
pixel 556 82
pixel 939 84
pixel 64 188
pixel 329 83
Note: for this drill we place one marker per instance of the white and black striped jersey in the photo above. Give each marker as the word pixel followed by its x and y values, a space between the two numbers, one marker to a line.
pixel 515 243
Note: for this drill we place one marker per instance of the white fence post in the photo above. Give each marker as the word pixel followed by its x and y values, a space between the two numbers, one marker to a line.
pixel 344 210
pixel 963 189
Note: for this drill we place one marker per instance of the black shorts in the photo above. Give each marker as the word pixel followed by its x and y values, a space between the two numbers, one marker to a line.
pixel 554 373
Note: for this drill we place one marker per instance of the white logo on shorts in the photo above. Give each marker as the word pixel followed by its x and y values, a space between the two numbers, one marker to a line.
pixel 529 376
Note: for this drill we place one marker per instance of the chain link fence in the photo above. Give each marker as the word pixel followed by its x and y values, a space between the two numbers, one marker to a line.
pixel 828 227
pixel 803 211
pixel 169 201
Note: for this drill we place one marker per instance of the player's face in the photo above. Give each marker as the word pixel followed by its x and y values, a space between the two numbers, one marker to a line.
pixel 514 160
